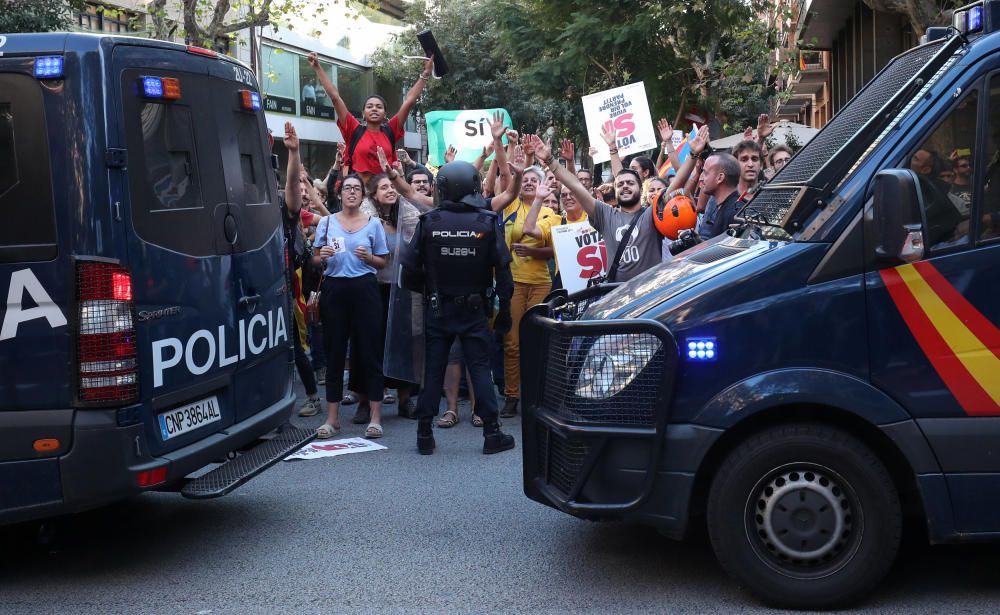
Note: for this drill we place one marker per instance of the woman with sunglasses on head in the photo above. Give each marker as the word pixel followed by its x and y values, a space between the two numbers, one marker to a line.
pixel 351 247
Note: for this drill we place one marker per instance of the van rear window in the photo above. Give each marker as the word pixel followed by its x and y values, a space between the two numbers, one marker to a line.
pixel 28 232
pixel 171 159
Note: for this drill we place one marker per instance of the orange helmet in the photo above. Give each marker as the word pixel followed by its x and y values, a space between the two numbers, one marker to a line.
pixel 673 212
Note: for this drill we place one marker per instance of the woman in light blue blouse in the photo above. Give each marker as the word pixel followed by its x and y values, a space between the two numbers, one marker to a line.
pixel 352 248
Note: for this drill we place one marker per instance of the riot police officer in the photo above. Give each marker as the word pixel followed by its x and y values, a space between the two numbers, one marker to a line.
pixel 453 257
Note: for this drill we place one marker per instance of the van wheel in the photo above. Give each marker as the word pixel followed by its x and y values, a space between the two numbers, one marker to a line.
pixel 804 516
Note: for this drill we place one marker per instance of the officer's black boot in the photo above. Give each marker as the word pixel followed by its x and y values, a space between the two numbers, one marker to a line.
pixel 425 436
pixel 494 440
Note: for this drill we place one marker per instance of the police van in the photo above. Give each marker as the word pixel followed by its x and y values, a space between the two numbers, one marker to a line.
pixel 145 333
pixel 804 386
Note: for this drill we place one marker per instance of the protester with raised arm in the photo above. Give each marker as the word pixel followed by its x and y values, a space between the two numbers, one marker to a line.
pixel 640 241
pixel 363 139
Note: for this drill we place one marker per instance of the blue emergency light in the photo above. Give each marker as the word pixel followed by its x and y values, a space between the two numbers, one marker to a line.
pixel 167 88
pixel 152 87
pixel 702 349
pixel 49 67
pixel 974 19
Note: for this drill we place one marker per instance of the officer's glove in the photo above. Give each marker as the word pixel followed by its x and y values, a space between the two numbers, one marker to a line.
pixel 502 323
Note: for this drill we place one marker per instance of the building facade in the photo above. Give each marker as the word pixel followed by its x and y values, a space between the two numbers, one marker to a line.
pixel 844 44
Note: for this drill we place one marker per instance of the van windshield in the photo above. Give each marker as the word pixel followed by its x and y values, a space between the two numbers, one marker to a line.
pixel 28 232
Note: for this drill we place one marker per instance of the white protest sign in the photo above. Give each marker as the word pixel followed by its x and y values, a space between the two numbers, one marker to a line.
pixel 332 448
pixel 676 138
pixel 580 253
pixel 624 110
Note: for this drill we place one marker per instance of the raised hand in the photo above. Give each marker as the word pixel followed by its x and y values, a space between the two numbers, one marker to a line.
pixel 383 160
pixel 513 136
pixel 609 136
pixel 488 150
pixel 542 191
pixel 291 138
pixel 666 130
pixel 764 127
pixel 567 150
pixel 428 67
pixel 748 134
pixel 529 143
pixel 398 167
pixel 543 151
pixel 497 127
pixel 700 141
pixel 450 153
pixel 519 158
pixel 314 61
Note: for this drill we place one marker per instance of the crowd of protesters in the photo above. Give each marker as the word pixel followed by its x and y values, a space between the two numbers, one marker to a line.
pixel 354 221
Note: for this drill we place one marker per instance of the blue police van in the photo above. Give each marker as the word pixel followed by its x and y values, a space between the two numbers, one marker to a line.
pixel 146 329
pixel 805 385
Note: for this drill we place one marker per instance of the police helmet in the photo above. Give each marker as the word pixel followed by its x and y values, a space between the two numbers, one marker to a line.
pixel 459 182
pixel 673 212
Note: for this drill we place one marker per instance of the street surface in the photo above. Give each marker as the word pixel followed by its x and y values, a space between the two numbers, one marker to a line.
pixel 392 531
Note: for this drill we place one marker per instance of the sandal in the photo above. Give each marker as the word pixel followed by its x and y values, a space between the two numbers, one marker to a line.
pixel 476 421
pixel 448 419
pixel 349 399
pixel 374 431
pixel 388 398
pixel 327 431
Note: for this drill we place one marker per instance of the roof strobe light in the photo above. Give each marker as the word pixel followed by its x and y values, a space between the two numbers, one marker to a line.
pixel 49 67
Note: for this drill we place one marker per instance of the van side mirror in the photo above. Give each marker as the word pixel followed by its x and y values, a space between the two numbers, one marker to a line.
pixel 899 216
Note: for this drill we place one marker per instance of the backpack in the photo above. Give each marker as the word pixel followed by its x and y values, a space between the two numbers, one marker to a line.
pixel 356 138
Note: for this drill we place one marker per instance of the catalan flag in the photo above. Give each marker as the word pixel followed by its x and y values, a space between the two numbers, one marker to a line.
pixel 961 344
pixel 683 150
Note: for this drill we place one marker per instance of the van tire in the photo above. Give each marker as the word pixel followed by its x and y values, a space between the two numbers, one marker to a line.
pixel 833 548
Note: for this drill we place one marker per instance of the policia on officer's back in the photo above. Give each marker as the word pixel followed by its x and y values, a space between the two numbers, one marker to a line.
pixel 453 257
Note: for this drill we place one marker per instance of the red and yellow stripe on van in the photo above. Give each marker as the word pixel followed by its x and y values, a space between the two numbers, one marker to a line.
pixel 961 343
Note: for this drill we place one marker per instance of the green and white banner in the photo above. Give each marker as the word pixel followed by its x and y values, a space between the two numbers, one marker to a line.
pixel 467 131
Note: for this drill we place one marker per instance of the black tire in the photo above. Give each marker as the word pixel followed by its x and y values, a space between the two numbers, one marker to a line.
pixel 828 551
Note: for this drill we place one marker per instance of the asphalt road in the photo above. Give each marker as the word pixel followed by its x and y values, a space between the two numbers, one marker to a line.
pixel 391 531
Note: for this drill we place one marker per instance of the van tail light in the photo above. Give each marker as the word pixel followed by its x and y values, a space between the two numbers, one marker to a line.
pixel 106 351
pixel 201 51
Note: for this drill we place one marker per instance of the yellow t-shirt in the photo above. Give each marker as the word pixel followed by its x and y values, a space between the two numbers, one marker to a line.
pixel 526 270
pixel 547 224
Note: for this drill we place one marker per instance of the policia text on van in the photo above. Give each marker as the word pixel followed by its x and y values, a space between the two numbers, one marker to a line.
pixel 145 332
pixel 830 370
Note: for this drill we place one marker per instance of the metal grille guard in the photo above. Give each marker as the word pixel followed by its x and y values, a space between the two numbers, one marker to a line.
pixel 561 447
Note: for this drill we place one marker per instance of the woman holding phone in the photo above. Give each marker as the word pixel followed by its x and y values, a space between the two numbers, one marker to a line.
pixel 350 247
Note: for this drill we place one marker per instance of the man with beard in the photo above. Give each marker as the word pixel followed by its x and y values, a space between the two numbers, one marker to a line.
pixel 642 245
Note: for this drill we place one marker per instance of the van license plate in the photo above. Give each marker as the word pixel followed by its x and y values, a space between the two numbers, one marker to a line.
pixel 187 418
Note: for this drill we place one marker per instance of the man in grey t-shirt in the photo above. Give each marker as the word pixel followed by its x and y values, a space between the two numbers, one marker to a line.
pixel 642 250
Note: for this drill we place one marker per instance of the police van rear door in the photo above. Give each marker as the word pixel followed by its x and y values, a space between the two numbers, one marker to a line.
pixel 34 293
pixel 199 326
pixel 253 228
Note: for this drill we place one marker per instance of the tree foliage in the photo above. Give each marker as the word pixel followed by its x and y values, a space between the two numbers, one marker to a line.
pixel 920 13
pixel 205 22
pixel 483 72
pixel 538 57
pixel 35 15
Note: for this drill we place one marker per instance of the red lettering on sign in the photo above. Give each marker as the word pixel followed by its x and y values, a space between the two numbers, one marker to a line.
pixel 592 260
pixel 331 447
pixel 623 125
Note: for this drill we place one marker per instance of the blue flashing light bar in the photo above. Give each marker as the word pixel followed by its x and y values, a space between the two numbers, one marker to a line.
pixel 974 19
pixel 49 67
pixel 702 349
pixel 152 87
pixel 255 100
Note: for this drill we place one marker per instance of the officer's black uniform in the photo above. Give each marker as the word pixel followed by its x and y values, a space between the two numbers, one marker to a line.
pixel 453 257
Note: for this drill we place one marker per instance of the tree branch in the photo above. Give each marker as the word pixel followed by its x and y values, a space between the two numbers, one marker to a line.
pixel 262 18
